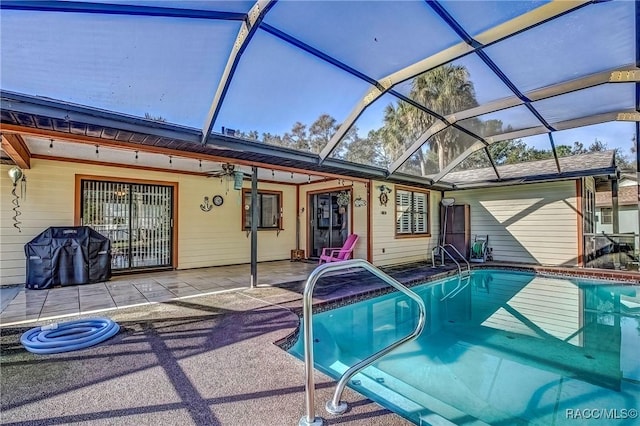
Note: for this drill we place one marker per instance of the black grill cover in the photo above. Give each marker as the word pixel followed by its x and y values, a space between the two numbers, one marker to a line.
pixel 67 256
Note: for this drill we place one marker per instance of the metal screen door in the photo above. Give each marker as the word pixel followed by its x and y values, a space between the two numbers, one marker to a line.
pixel 137 218
pixel 329 222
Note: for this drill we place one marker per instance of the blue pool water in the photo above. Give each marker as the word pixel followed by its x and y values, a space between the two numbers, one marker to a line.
pixel 504 348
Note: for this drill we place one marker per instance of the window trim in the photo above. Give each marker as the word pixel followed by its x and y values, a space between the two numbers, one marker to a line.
pixel 174 207
pixel 412 190
pixel 610 215
pixel 243 212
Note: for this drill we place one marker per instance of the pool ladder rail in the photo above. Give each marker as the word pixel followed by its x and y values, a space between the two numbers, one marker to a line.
pixel 443 249
pixel 335 406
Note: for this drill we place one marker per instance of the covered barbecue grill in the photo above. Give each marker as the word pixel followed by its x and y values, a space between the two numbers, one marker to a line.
pixel 67 256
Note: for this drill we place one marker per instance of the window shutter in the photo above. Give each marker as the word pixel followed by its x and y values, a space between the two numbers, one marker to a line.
pixel 419 212
pixel 403 212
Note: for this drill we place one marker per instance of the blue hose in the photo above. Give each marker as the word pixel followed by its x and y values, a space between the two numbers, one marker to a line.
pixel 68 336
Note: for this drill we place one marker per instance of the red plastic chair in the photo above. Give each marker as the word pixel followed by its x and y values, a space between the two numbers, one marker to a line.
pixel 337 254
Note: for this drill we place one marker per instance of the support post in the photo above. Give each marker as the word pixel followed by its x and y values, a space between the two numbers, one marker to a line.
pixel 637 237
pixel 615 221
pixel 254 226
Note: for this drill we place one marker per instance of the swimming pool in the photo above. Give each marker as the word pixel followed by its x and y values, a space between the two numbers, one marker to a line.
pixel 503 347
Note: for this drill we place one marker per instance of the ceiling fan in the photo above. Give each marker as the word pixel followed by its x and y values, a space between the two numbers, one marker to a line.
pixel 228 169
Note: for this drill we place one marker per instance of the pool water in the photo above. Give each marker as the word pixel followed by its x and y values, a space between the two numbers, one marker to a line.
pixel 499 347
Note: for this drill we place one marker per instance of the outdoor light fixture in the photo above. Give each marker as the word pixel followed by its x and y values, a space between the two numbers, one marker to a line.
pixel 448 202
pixel 50 144
pixel 170 160
pixel 385 189
pixel 200 164
pixel 97 150
pixel 136 156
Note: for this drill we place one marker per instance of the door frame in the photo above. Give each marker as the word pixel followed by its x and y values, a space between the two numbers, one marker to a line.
pixel 326 191
pixel 174 207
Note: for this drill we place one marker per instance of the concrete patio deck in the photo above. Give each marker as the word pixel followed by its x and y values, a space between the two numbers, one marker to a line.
pixel 181 357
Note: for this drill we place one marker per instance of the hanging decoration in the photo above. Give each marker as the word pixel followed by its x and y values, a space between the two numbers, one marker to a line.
pixel 16 176
pixel 384 197
pixel 343 198
pixel 237 180
pixel 359 202
pixel 206 206
pixel 218 200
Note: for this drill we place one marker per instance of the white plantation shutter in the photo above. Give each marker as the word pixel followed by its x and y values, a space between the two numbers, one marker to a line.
pixel 412 212
pixel 419 212
pixel 403 212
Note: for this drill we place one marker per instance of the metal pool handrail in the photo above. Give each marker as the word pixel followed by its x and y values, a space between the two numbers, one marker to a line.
pixel 433 259
pixel 335 406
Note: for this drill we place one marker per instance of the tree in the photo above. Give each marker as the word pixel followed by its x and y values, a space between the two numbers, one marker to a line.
pixel 444 90
pixel 298 138
pixel 321 131
pixel 272 139
pixel 363 150
pixel 157 118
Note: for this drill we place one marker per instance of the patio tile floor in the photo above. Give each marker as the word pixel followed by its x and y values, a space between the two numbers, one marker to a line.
pixel 20 305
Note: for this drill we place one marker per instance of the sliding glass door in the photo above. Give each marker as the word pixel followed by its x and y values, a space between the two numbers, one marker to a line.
pixel 137 218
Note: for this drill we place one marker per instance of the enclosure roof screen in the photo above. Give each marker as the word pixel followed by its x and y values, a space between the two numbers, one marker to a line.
pixel 449 92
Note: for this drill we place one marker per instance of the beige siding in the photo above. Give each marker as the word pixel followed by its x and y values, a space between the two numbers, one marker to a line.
pixel 534 223
pixel 389 250
pixel 204 238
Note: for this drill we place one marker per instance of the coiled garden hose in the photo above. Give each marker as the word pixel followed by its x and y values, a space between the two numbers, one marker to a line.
pixel 68 336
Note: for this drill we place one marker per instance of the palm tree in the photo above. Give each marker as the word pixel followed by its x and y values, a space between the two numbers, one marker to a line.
pixel 444 90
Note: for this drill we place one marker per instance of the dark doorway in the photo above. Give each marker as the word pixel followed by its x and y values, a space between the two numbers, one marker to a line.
pixel 329 221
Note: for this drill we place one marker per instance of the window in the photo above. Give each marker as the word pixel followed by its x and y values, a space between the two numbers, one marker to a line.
pixel 412 212
pixel 269 209
pixel 606 215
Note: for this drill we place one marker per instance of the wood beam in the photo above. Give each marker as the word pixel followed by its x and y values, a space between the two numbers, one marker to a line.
pixel 17 150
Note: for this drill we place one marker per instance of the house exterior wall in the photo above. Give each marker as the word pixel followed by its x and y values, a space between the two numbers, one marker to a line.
pixel 533 223
pixel 627 220
pixel 359 216
pixel 387 249
pixel 204 238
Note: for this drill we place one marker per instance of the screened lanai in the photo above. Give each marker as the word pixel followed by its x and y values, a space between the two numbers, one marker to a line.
pixel 414 90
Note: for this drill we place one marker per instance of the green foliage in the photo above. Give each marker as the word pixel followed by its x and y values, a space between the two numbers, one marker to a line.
pixel 445 90
pixel 157 118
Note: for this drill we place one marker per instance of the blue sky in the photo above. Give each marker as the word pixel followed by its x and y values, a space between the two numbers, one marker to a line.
pixel 170 67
